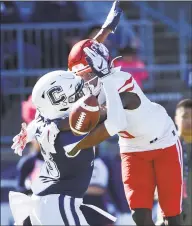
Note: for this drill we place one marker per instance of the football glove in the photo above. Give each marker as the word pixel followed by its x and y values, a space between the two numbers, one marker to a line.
pixel 26 135
pixel 113 17
pixel 20 140
pixel 97 61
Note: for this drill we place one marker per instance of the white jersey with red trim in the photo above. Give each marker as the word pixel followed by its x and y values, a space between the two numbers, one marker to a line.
pixel 149 127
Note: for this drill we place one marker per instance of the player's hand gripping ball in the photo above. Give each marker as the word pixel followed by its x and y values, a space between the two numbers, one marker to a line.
pixel 84 115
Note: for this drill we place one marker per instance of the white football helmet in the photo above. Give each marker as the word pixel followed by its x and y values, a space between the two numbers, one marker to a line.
pixel 55 92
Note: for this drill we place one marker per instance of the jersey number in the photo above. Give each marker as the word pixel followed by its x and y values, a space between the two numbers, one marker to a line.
pixel 125 134
pixel 54 97
pixel 46 150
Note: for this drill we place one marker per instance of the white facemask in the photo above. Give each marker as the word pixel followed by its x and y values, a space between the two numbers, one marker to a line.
pixel 94 90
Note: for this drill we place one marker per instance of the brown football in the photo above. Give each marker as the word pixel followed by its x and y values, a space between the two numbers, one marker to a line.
pixel 84 115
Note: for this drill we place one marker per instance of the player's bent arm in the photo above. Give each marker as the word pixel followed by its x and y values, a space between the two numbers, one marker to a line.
pixel 63 124
pixel 129 101
pixel 96 136
pixel 102 35
pixel 116 119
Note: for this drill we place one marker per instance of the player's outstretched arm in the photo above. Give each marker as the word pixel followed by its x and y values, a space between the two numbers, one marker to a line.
pixel 100 133
pixel 116 116
pixel 95 137
pixel 110 23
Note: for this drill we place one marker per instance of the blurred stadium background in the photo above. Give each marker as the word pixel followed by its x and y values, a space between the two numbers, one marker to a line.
pixel 36 38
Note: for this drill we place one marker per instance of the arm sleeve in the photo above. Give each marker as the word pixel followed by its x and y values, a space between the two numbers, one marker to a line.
pixel 116 115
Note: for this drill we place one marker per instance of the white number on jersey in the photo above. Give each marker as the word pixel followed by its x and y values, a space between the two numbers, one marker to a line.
pixel 47 149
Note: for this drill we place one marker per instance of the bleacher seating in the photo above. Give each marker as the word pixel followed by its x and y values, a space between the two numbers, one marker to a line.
pixel 33 49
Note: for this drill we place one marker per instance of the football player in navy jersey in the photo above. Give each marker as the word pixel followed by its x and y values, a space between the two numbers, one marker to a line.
pixel 58 191
pixel 63 180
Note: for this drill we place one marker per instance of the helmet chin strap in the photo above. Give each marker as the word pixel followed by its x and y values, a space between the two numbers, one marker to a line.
pixel 114 60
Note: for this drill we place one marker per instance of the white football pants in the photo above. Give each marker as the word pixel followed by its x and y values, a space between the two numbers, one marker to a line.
pixel 52 209
pixel 57 210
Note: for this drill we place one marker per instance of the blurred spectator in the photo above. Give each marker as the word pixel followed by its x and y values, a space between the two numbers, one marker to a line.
pixel 183 120
pixel 106 189
pixel 96 192
pixel 117 203
pixel 129 63
pixel 110 42
pixel 188 77
pixel 115 186
pixel 96 11
pixel 10 56
pixel 56 11
pixel 116 190
pixel 9 12
pixel 31 11
pixel 28 110
pixel 25 9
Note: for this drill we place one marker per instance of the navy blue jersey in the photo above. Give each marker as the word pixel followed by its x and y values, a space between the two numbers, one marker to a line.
pixel 61 174
pixel 26 167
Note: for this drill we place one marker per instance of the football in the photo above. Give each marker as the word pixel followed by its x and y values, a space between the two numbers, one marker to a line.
pixel 84 115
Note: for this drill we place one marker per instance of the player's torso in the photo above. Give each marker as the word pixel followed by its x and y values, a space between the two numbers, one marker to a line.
pixel 148 127
pixel 61 174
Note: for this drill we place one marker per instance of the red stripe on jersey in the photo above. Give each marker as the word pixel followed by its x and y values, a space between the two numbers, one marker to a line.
pixel 129 89
pixel 129 81
pixel 125 134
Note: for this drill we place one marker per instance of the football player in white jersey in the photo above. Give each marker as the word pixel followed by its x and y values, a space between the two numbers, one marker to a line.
pixel 150 149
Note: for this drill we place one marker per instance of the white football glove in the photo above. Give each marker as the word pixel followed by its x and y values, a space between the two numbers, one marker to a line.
pixel 96 58
pixel 113 17
pixel 26 135
pixel 20 140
